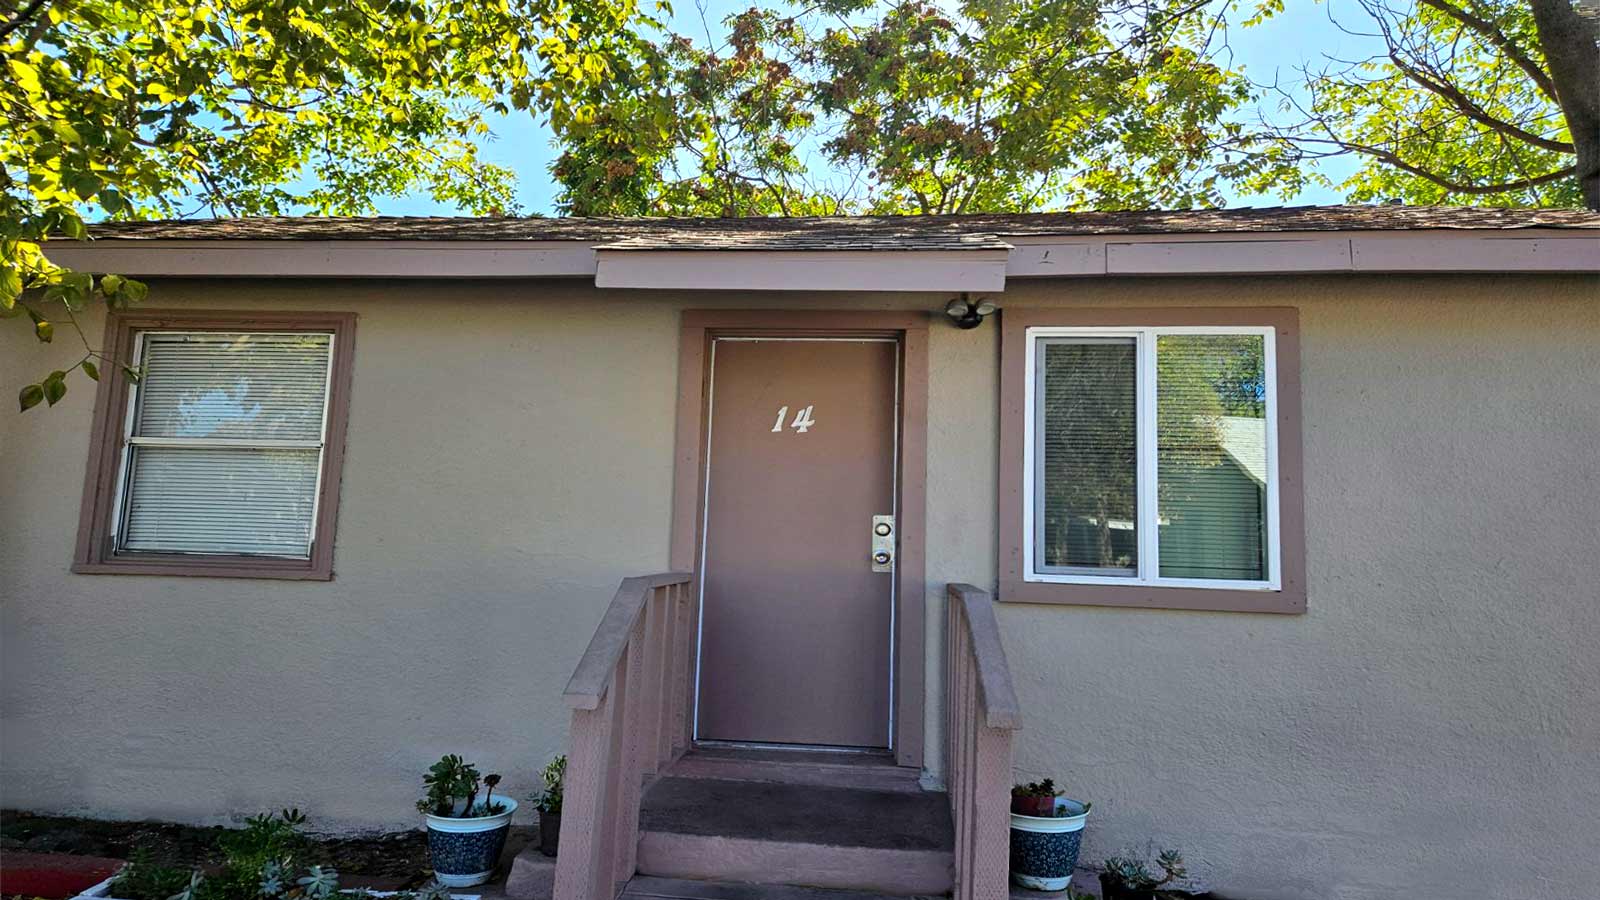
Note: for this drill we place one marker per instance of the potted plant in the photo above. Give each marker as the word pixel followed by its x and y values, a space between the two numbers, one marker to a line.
pixel 1044 846
pixel 1036 798
pixel 1128 879
pixel 549 803
pixel 465 836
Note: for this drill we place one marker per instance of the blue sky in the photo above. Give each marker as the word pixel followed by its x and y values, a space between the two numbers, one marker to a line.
pixel 1302 33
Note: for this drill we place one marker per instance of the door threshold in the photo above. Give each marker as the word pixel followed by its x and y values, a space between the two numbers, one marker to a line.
pixel 799 748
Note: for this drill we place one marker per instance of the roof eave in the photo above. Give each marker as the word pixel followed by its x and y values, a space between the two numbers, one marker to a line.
pixel 1524 250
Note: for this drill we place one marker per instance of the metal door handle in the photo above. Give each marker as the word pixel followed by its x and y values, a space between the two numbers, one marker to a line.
pixel 883 540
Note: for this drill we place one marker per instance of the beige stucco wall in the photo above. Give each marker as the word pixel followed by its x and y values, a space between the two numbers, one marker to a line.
pixel 1430 728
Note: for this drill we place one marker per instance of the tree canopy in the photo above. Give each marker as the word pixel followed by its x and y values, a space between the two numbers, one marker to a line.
pixel 1479 101
pixel 143 108
pixel 852 106
pixel 140 108
pixel 913 106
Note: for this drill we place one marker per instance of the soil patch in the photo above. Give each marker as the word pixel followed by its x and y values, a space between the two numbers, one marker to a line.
pixel 399 859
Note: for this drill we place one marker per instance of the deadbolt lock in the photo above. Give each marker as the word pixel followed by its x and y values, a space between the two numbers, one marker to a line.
pixel 883 543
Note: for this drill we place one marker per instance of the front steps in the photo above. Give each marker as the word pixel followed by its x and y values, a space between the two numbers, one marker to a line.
pixel 836 821
pixel 736 824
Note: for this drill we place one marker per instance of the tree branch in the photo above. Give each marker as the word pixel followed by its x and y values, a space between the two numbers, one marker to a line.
pixel 1390 158
pixel 1572 46
pixel 1472 110
pixel 1500 41
pixel 18 20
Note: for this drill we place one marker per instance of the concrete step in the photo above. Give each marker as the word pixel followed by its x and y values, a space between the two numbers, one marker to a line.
pixel 874 771
pixel 649 887
pixel 825 836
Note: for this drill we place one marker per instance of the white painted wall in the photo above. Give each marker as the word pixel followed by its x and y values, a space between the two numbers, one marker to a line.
pixel 1430 728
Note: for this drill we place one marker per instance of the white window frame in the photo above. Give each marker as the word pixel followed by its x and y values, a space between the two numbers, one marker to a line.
pixel 1148 532
pixel 118 530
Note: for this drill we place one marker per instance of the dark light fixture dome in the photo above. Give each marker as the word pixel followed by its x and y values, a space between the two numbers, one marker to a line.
pixel 966 312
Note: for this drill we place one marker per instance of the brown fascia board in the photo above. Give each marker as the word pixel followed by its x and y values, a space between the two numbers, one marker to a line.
pixel 1524 250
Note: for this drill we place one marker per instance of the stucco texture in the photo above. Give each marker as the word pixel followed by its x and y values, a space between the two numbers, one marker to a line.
pixel 1430 728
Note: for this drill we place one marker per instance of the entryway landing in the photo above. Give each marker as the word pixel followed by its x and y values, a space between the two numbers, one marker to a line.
pixel 870 770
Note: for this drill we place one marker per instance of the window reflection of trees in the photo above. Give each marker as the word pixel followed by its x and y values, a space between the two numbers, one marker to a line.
pixel 1210 454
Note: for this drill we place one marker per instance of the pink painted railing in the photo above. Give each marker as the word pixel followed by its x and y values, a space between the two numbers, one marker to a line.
pixel 981 713
pixel 630 697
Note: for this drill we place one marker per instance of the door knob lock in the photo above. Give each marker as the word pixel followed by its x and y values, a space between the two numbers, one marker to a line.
pixel 883 543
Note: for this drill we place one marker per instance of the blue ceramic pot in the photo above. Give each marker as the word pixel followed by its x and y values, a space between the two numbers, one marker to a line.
pixel 465 852
pixel 1044 850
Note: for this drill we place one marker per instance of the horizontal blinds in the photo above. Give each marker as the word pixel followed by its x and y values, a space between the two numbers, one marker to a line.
pixel 233 386
pixel 221 500
pixel 1211 463
pixel 1087 446
pixel 194 482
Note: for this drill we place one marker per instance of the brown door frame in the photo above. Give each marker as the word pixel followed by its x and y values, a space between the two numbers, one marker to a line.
pixel 700 326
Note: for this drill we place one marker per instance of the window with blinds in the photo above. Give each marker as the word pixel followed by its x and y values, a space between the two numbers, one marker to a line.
pixel 224 444
pixel 1153 457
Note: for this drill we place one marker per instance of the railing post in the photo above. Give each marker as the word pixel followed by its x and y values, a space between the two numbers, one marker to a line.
pixel 689 613
pixel 991 814
pixel 982 713
pixel 624 849
pixel 665 726
pixel 582 810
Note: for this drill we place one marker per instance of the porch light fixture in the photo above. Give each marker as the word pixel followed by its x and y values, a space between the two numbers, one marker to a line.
pixel 968 313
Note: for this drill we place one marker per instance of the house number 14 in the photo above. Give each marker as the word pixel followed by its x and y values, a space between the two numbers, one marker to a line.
pixel 802 420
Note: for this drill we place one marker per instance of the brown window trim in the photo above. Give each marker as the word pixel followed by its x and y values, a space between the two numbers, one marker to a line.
pixel 1291 598
pixel 94 556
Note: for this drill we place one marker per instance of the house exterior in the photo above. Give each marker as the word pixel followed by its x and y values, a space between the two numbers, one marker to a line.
pixel 1287 517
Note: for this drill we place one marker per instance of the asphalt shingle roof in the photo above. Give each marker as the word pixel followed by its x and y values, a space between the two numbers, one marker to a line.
pixel 852 232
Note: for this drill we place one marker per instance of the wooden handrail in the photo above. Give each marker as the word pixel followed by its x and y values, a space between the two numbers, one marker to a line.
pixel 632 696
pixel 982 714
pixel 590 680
pixel 995 690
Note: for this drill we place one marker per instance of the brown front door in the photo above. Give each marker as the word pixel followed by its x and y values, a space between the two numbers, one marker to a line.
pixel 795 623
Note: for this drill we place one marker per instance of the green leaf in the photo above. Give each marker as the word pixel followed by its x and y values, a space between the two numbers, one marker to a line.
pixel 111 284
pixel 27 77
pixel 91 370
pixel 55 387
pixel 86 185
pixel 10 286
pixel 30 396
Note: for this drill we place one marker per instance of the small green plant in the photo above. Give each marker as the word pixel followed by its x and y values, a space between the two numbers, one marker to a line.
pixel 1131 874
pixel 322 883
pixel 142 879
pixel 554 775
pixel 265 841
pixel 1045 788
pixel 261 864
pixel 453 778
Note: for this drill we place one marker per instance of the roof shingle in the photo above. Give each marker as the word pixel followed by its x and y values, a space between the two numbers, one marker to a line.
pixel 848 232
